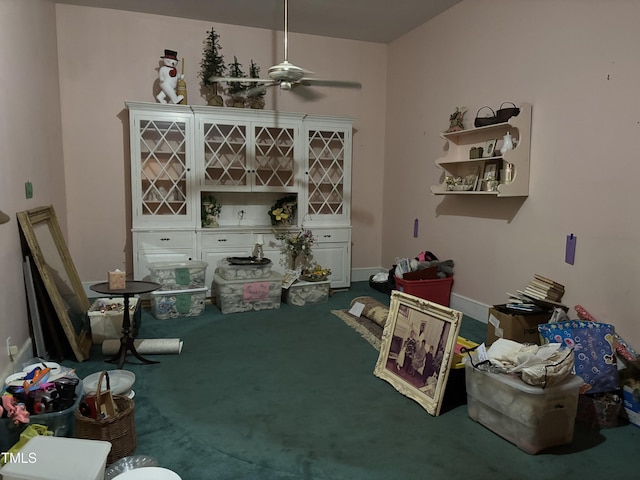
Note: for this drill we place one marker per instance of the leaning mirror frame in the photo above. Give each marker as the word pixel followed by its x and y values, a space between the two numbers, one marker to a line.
pixel 50 254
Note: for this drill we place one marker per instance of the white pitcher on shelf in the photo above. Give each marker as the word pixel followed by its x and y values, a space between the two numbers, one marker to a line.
pixel 507 143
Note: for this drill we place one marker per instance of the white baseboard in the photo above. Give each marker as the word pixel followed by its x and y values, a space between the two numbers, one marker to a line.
pixel 24 355
pixel 471 308
pixel 90 293
pixel 363 274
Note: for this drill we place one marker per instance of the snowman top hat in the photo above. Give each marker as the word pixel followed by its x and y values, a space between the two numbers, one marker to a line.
pixel 170 54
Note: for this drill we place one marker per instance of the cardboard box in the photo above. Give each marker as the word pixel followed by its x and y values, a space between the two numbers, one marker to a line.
pixel 632 404
pixel 520 327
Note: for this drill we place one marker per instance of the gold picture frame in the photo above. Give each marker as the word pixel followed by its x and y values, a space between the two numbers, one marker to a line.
pixel 427 325
pixel 45 244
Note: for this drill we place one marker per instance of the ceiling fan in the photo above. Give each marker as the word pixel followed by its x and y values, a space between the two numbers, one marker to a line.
pixel 285 74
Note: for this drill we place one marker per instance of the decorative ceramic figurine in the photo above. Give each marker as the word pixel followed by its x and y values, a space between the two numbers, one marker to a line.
pixel 456 120
pixel 507 143
pixel 168 78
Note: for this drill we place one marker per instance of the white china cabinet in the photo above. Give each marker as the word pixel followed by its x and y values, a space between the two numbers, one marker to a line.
pixel 247 159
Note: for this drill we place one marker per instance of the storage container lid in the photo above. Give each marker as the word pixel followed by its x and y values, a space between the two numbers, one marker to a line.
pixel 272 277
pixel 573 382
pixel 170 265
pixel 50 459
pixel 161 293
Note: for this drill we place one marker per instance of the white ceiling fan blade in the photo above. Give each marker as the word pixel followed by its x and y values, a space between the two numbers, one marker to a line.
pixel 319 82
pixel 253 91
pixel 239 79
pixel 305 93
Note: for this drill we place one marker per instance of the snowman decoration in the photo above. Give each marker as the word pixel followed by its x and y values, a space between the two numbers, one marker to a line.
pixel 168 78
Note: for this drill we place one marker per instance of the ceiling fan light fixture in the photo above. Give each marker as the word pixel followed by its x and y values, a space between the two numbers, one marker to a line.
pixel 285 74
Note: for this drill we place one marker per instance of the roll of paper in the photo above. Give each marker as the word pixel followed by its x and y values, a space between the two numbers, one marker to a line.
pixel 146 346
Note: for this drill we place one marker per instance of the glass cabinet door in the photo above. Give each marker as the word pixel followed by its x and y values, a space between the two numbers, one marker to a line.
pixel 274 158
pixel 225 154
pixel 328 178
pixel 161 162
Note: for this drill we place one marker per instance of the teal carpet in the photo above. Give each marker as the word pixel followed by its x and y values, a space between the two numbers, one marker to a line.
pixel 289 394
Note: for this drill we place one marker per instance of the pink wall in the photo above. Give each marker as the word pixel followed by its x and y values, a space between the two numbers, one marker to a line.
pixel 108 57
pixel 31 142
pixel 577 63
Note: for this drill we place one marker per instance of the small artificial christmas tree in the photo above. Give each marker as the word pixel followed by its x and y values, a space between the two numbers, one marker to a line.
pixel 235 88
pixel 212 65
pixel 256 100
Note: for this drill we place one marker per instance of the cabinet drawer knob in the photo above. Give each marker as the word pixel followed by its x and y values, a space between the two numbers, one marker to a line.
pixel 165 239
pixel 222 239
pixel 327 235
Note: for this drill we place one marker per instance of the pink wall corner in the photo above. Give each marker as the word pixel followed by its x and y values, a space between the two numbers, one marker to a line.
pixel 32 144
pixel 577 64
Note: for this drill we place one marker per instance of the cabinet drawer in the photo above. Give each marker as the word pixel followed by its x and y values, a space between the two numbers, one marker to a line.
pixel 331 235
pixel 237 239
pixel 149 240
pixel 227 239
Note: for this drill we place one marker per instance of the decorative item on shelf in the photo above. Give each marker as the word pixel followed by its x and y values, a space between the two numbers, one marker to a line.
pixel 316 273
pixel 209 211
pixel 491 185
pixel 212 65
pixel 236 90
pixel 507 143
pixel 181 89
pixel 296 246
pixel 283 211
pixel 504 114
pixel 456 120
pixel 487 120
pixel 476 152
pixel 490 148
pixel 508 173
pixel 168 78
pixel 460 184
pixel 255 95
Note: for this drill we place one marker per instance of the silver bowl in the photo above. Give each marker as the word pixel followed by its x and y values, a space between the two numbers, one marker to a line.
pixel 129 463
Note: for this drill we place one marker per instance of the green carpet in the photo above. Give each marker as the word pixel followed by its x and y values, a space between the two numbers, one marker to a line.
pixel 290 394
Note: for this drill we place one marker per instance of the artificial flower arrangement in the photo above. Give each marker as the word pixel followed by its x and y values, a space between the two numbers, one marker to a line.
pixel 283 211
pixel 316 273
pixel 296 245
pixel 209 211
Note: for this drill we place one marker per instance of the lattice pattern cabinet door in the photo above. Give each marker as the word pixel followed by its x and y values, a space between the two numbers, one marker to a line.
pixel 247 151
pixel 161 165
pixel 328 171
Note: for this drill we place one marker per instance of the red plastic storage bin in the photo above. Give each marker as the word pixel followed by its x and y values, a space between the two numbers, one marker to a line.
pixel 437 290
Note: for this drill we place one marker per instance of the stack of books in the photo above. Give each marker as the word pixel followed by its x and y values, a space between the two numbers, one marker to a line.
pixel 542 288
pixel 541 292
